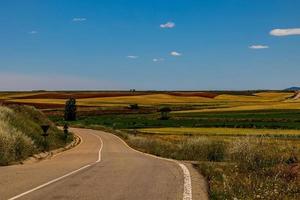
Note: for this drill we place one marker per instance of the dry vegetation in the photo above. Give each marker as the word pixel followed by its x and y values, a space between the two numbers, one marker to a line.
pixel 21 134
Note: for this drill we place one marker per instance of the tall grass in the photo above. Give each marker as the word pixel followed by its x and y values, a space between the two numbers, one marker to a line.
pixel 255 169
pixel 14 145
pixel 200 148
pixel 20 133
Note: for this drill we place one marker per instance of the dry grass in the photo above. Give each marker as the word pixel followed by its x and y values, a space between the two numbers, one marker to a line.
pixel 14 145
pixel 21 133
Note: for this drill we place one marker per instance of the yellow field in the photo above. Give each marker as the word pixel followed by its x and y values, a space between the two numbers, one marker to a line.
pixel 266 106
pixel 223 102
pixel 221 131
pixel 276 96
pixel 152 99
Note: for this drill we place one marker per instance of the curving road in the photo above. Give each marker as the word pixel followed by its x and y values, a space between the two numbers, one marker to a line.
pixel 101 167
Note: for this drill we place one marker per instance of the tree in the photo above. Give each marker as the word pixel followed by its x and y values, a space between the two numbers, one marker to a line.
pixel 134 106
pixel 164 111
pixel 70 110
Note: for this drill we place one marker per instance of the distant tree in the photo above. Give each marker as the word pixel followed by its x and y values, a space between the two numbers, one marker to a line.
pixel 164 111
pixel 70 110
pixel 134 106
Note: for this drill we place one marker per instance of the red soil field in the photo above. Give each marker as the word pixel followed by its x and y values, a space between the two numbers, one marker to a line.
pixel 82 95
pixel 36 105
pixel 79 95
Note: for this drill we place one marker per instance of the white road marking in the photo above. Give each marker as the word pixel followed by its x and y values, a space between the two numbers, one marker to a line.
pixel 187 180
pixel 48 183
pixel 187 187
pixel 64 176
pixel 99 153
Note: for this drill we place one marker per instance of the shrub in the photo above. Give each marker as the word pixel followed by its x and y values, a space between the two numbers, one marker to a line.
pixel 14 145
pixel 216 151
pixel 194 149
pixel 21 133
pixel 164 111
pixel 134 106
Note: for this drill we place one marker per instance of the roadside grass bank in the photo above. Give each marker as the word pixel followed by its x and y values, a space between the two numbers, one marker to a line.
pixel 21 134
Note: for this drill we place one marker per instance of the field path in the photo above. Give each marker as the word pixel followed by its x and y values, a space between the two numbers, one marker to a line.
pixel 101 167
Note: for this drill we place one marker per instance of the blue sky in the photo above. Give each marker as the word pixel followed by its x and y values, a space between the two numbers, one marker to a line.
pixel 142 44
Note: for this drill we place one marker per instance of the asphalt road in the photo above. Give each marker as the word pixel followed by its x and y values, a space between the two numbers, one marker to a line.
pixel 101 167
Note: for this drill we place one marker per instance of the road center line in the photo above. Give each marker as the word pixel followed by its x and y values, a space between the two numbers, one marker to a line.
pixel 64 176
pixel 99 152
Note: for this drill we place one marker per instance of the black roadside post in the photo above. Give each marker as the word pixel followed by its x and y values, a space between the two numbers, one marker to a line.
pixel 66 132
pixel 45 135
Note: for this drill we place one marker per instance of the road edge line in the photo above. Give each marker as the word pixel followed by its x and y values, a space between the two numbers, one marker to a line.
pixel 187 187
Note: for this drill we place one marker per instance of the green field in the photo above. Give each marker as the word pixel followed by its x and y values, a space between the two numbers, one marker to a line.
pixel 267 119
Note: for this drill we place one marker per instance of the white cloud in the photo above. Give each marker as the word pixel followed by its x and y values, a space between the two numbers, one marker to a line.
pixel 285 32
pixel 132 57
pixel 79 19
pixel 168 25
pixel 258 47
pixel 32 32
pixel 174 53
pixel 158 59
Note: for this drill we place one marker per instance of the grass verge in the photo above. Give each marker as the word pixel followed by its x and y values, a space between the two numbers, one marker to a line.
pixel 21 134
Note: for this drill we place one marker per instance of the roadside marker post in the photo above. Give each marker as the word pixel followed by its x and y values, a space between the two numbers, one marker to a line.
pixel 66 132
pixel 45 134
